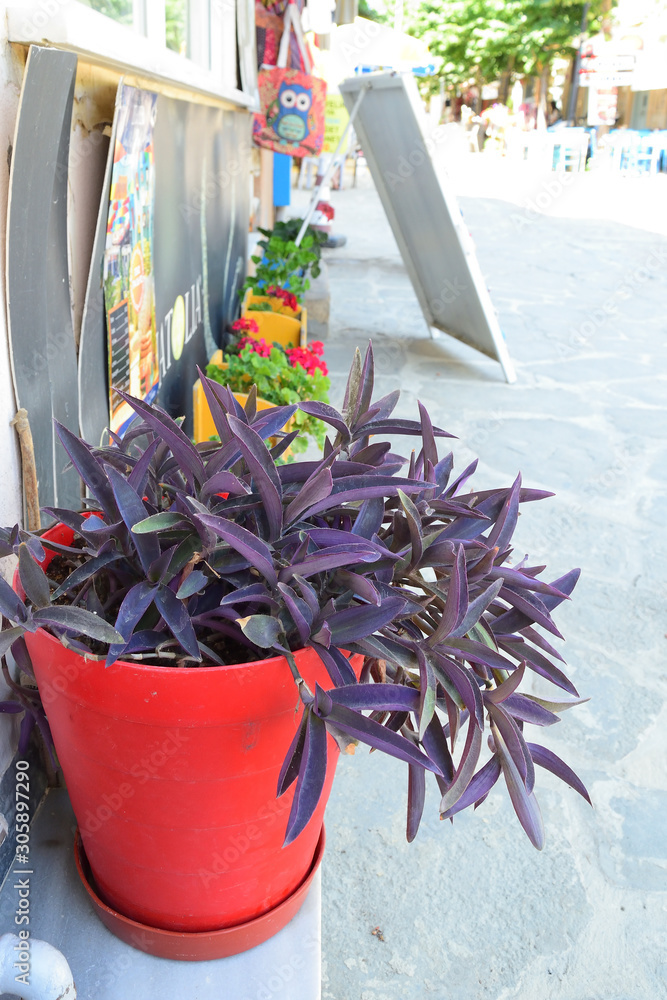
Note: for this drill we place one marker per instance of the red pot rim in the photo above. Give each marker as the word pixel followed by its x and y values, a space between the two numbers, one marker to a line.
pixel 196 946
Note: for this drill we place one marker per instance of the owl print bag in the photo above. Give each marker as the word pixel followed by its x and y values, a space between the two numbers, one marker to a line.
pixel 292 101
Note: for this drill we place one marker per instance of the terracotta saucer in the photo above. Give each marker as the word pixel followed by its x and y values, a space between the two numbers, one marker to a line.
pixel 196 946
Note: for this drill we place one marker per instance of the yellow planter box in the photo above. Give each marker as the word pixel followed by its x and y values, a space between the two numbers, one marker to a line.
pixel 281 326
pixel 204 427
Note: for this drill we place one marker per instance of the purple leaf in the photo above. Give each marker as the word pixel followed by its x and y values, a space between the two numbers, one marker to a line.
pixel 428 439
pixel 178 620
pixel 254 592
pixel 379 737
pixel 329 415
pixel 479 787
pixel 526 710
pixel 538 663
pixel 290 766
pixel 168 430
pixel 369 519
pixel 434 742
pixel 9 636
pixel 518 580
pixel 476 609
pixel 396 426
pixel 501 534
pixel 530 606
pixel 217 408
pixel 33 578
pixel 89 469
pixel 466 768
pixel 223 482
pixel 132 510
pixel 452 673
pixel 76 620
pixel 139 475
pixel 456 604
pixel 359 585
pixel 416 797
pixel 312 774
pixel 296 607
pixel 245 542
pixel 331 558
pixel 525 804
pixel 365 390
pixel 414 527
pixel 134 606
pixel 464 477
pixel 317 487
pixel 377 697
pixel 427 692
pixel 263 472
pixel 357 623
pixel 547 759
pixel 338 666
pixel 508 687
pixel 84 572
pixel 514 742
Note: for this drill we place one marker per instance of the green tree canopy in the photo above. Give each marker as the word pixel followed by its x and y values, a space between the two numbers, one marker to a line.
pixel 485 38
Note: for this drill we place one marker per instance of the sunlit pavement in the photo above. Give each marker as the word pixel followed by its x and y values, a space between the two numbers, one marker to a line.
pixel 472 910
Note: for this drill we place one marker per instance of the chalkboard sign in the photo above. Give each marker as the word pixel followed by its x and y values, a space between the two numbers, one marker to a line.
pixel 119 360
pixel 423 213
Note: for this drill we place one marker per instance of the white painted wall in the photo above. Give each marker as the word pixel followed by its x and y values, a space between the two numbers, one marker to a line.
pixel 11 72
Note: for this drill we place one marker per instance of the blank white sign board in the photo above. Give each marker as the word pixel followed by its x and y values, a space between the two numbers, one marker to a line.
pixel 423 213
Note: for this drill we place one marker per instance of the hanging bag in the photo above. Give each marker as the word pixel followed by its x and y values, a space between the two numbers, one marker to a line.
pixel 292 101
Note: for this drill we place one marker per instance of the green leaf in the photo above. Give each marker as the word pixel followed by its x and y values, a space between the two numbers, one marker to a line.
pixel 158 522
pixel 262 630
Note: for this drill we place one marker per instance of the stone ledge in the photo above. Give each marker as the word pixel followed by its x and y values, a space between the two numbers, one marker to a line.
pixel 104 968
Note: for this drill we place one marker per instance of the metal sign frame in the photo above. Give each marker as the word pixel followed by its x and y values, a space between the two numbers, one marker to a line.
pixel 423 213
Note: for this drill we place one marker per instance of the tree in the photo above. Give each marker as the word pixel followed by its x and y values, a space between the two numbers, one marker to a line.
pixel 483 39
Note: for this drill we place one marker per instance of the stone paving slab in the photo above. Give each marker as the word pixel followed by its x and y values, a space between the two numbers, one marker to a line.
pixel 471 911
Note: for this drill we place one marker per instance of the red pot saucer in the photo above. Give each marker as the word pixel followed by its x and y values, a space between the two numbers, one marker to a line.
pixel 196 946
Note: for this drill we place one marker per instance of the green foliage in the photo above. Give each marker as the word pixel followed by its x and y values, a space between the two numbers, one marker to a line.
pixel 119 10
pixel 284 264
pixel 485 38
pixel 280 383
pixel 290 229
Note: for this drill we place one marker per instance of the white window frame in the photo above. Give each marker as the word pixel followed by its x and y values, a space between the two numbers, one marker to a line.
pixel 142 50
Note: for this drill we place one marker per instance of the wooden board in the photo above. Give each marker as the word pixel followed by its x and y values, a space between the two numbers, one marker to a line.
pixel 421 208
pixel 41 337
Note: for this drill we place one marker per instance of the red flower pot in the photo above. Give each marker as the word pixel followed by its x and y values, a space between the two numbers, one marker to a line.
pixel 172 774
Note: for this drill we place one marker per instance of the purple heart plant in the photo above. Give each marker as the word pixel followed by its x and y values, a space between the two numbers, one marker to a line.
pixel 194 555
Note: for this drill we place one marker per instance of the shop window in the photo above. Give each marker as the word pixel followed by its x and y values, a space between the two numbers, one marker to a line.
pixel 176 25
pixel 120 10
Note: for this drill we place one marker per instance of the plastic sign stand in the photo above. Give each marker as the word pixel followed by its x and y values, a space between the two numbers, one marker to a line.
pixel 421 208
pixel 41 337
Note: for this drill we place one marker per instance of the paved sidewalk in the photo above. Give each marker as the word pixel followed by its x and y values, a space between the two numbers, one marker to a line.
pixel 472 910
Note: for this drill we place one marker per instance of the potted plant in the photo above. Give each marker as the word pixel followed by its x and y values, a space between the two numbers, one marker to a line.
pixel 274 295
pixel 212 627
pixel 281 376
